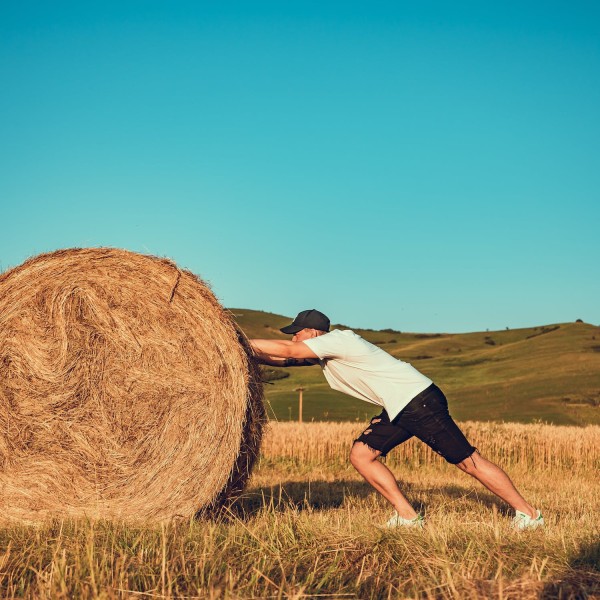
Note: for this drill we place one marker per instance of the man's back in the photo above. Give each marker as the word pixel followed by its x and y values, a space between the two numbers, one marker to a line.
pixel 356 367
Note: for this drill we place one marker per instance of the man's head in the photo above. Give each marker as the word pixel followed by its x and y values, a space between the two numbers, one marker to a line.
pixel 308 324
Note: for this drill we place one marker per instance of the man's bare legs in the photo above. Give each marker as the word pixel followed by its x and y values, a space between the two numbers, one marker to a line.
pixel 364 460
pixel 495 480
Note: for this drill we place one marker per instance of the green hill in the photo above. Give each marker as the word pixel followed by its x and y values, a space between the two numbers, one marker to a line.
pixel 547 373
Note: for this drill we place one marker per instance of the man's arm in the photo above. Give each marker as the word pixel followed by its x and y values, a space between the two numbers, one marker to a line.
pixel 272 349
pixel 273 361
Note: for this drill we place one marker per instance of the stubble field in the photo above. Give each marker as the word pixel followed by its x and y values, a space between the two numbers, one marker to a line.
pixel 309 527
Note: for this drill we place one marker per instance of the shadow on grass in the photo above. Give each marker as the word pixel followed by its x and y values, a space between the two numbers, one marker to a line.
pixel 325 495
pixel 317 495
pixel 473 496
pixel 582 579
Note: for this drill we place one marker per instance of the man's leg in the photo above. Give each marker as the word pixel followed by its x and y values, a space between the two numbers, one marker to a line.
pixel 364 460
pixel 427 417
pixel 495 480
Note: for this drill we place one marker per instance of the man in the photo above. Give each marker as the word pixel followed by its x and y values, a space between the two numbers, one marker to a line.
pixel 412 406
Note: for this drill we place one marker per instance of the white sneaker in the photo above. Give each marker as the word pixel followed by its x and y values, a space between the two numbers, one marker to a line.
pixel 397 521
pixel 524 521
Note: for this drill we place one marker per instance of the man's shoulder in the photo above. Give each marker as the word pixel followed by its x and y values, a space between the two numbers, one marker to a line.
pixel 349 334
pixel 333 344
pixel 333 336
pixel 342 332
pixel 345 337
pixel 354 342
pixel 341 335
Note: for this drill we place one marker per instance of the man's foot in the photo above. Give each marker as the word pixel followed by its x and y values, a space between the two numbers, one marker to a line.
pixel 524 521
pixel 397 521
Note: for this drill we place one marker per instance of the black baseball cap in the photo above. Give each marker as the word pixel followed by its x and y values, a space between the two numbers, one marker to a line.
pixel 308 319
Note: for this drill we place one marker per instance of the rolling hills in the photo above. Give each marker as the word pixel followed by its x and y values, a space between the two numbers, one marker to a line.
pixel 548 373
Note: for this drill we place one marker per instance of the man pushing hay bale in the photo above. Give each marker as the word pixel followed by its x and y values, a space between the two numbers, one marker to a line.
pixel 126 390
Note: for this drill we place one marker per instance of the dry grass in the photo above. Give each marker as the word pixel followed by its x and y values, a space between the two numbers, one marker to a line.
pixel 308 529
pixel 125 390
pixel 533 447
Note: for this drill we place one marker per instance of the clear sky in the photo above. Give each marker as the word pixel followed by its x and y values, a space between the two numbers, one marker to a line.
pixel 425 166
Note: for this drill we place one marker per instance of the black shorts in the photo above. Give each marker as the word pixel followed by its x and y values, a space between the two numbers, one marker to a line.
pixel 426 416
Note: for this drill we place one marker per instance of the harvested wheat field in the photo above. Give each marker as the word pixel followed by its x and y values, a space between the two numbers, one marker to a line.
pixel 126 391
pixel 309 527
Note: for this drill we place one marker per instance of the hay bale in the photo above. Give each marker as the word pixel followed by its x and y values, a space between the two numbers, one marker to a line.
pixel 126 390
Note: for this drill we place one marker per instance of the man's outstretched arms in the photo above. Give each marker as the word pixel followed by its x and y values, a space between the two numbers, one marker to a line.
pixel 273 361
pixel 283 353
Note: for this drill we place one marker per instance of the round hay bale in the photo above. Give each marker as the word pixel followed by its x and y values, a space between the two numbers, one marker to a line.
pixel 126 390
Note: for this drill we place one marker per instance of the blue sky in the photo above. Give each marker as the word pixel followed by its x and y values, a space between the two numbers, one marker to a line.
pixel 431 166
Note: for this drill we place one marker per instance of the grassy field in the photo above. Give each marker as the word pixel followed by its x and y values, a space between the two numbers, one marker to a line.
pixel 547 373
pixel 308 527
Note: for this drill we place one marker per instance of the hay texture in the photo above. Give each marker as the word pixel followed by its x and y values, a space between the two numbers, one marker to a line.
pixel 126 390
